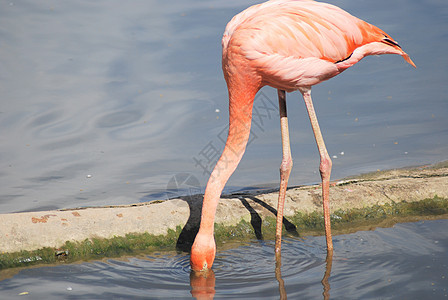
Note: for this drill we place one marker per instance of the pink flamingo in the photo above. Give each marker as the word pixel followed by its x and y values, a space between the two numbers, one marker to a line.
pixel 289 45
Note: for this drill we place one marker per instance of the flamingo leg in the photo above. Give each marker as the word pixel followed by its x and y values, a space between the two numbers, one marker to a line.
pixel 324 167
pixel 278 276
pixel 285 168
pixel 326 280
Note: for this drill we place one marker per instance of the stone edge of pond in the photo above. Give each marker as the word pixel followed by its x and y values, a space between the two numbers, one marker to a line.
pixel 357 203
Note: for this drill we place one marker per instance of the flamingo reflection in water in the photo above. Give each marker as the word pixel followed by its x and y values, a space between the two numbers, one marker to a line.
pixel 203 283
pixel 288 45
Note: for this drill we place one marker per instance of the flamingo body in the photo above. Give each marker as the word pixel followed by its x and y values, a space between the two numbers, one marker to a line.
pixel 292 44
pixel 289 45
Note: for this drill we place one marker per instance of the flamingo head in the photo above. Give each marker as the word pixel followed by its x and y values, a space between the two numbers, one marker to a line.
pixel 203 252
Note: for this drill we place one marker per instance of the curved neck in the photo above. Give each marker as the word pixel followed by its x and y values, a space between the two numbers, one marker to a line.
pixel 241 98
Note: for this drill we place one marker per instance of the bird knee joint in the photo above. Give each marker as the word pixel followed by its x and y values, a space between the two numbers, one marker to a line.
pixel 325 167
pixel 286 166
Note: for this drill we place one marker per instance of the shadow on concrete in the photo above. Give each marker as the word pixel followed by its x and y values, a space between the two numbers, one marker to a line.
pixel 290 227
pixel 255 219
pixel 191 228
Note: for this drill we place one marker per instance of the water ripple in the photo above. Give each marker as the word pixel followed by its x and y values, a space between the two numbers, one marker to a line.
pixel 366 265
pixel 119 118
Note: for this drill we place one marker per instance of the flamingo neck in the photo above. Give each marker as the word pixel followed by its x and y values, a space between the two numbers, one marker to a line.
pixel 241 97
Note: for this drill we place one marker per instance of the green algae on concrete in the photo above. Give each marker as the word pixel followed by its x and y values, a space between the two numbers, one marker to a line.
pixel 300 224
pixel 90 249
pixel 342 220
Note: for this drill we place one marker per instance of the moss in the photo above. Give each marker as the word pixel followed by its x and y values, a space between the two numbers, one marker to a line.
pixel 307 224
pixel 434 206
pixel 241 230
pixel 23 258
pixel 313 223
pixel 94 248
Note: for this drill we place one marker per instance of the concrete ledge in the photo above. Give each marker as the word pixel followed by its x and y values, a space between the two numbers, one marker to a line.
pixel 52 229
pixel 35 230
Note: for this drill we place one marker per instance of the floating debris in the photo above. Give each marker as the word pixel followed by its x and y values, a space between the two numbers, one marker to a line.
pixel 30 259
pixel 60 253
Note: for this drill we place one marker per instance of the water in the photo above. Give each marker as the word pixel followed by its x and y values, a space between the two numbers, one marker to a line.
pixel 407 261
pixel 105 102
pixel 110 102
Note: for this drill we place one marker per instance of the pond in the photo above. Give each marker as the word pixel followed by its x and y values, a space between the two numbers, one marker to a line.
pixel 407 261
pixel 105 102
pixel 110 102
